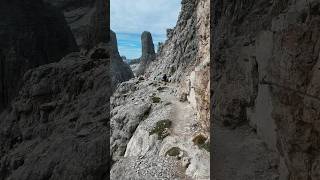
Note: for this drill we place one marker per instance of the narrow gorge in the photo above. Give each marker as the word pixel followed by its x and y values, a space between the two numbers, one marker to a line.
pixel 160 119
pixel 233 93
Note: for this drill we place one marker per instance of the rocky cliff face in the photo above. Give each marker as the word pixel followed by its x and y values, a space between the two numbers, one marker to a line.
pixel 120 70
pixel 31 34
pixel 87 19
pixel 265 71
pixel 148 53
pixel 185 57
pixel 150 122
pixel 57 128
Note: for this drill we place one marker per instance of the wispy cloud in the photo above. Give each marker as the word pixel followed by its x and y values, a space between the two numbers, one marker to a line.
pixel 129 18
pixel 133 16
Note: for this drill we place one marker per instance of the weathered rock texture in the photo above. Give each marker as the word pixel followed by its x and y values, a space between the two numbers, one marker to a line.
pixel 148 119
pixel 120 70
pixel 100 25
pixel 155 168
pixel 57 128
pixel 148 53
pixel 32 33
pixel 265 71
pixel 88 20
pixel 185 58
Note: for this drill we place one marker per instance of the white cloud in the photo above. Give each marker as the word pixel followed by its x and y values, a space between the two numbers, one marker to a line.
pixel 136 16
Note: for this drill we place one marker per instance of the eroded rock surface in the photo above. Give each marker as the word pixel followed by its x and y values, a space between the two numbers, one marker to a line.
pixel 57 128
pixel 185 57
pixel 156 168
pixel 88 20
pixel 32 34
pixel 265 71
pixel 149 120
pixel 120 70
pixel 148 53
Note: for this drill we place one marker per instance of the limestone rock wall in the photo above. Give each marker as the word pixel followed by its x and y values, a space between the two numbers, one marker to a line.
pixel 265 71
pixel 57 127
pixel 32 34
pixel 88 20
pixel 120 70
pixel 185 56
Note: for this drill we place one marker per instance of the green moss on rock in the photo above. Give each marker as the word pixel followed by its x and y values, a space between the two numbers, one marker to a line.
pixel 199 139
pixel 205 146
pixel 201 142
pixel 174 151
pixel 161 129
pixel 155 99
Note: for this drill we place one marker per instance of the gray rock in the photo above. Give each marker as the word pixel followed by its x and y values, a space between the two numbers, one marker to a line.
pixel 60 132
pixel 184 57
pixel 120 70
pixel 139 168
pixel 87 20
pixel 266 73
pixel 147 44
pixel 32 34
pixel 148 52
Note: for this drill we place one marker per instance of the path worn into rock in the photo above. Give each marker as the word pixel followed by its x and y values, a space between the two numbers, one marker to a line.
pixel 239 154
pixel 184 128
pixel 184 120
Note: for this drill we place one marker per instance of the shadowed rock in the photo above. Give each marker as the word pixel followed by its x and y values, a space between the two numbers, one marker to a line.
pixel 32 33
pixel 147 44
pixel 88 20
pixel 120 70
pixel 58 125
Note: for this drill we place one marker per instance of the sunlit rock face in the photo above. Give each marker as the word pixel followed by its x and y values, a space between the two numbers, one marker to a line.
pixel 185 56
pixel 32 34
pixel 265 71
pixel 153 118
pixel 148 52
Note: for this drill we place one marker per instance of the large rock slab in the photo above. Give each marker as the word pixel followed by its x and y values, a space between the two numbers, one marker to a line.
pixel 57 127
pixel 265 69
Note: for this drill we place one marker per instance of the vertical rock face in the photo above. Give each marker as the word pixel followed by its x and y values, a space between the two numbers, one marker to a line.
pixel 31 34
pixel 148 52
pixel 120 70
pixel 147 44
pixel 57 127
pixel 265 69
pixel 100 22
pixel 185 56
pixel 88 20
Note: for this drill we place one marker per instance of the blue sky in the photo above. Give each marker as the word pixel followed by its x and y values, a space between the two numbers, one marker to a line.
pixel 129 18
